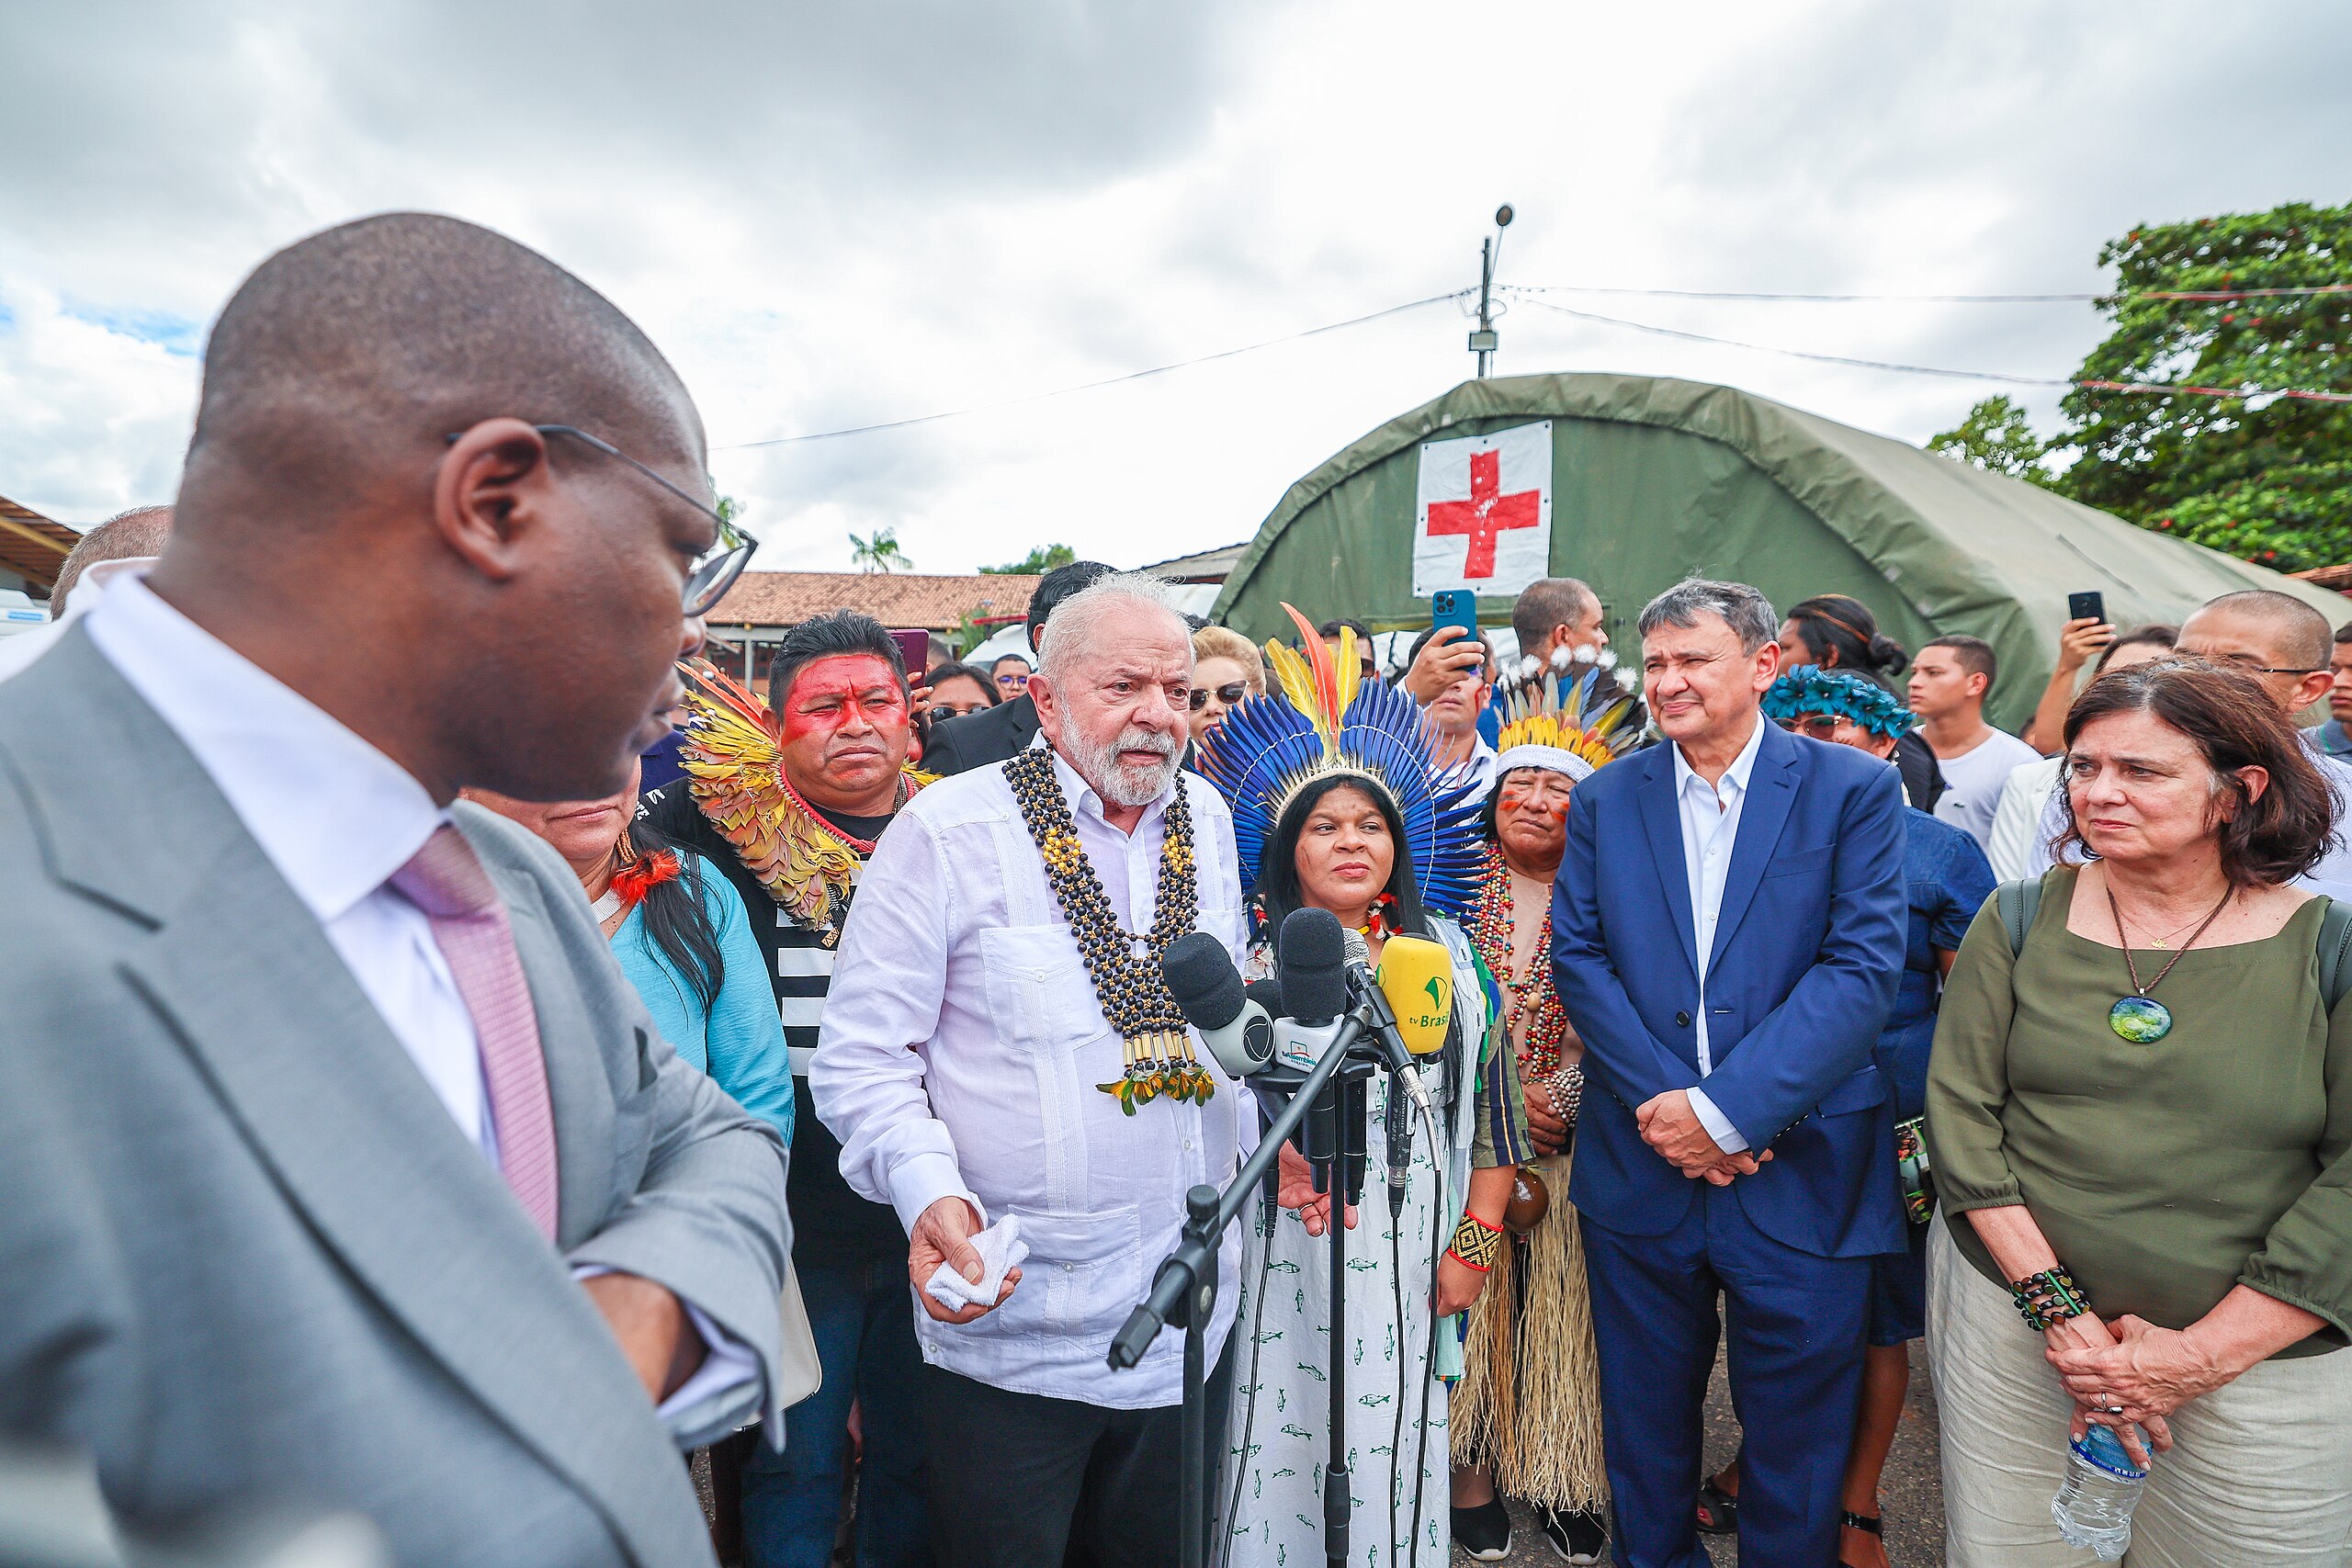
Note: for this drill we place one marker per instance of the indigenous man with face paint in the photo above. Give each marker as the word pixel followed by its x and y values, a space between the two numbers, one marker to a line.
pixel 789 799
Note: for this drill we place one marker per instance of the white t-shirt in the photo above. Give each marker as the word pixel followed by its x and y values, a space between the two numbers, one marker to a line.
pixel 1973 783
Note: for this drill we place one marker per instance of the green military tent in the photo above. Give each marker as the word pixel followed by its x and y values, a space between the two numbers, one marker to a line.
pixel 1653 480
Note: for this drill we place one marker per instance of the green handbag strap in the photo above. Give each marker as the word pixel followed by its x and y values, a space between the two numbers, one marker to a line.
pixel 2017 902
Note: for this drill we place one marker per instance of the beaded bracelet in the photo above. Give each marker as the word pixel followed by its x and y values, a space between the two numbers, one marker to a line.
pixel 1476 1244
pixel 2049 1298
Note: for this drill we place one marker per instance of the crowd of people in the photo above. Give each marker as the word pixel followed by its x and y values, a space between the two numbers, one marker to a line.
pixel 421 1109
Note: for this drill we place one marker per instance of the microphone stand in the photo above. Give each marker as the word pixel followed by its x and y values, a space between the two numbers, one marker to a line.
pixel 1183 1292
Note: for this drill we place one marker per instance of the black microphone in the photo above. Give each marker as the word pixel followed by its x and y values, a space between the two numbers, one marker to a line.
pixel 1308 953
pixel 1309 956
pixel 1209 991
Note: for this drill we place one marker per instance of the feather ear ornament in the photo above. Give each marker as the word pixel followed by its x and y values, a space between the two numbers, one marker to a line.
pixel 733 756
pixel 1323 718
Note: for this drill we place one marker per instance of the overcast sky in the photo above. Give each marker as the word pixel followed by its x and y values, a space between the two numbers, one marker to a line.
pixel 834 215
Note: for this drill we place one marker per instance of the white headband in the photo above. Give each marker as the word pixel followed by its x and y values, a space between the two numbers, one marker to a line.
pixel 1553 757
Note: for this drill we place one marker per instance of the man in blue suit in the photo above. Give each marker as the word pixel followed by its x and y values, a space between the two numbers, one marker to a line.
pixel 1728 932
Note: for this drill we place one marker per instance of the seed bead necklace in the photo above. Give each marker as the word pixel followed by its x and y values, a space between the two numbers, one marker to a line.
pixel 1124 969
pixel 2140 1018
pixel 1490 932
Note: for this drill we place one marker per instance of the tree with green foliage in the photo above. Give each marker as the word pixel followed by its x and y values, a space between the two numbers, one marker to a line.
pixel 1036 563
pixel 2267 479
pixel 879 551
pixel 1997 436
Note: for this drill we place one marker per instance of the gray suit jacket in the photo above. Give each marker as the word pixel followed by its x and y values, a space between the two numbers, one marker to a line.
pixel 246 1254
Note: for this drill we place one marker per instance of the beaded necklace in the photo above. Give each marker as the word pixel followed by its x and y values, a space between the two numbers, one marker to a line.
pixel 1490 932
pixel 1124 969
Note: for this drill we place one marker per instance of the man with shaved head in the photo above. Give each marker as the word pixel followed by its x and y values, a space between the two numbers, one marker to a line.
pixel 129 541
pixel 2284 644
pixel 340 1166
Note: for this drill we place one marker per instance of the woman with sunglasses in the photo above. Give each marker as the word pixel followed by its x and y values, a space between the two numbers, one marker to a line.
pixel 1226 667
pixel 1946 880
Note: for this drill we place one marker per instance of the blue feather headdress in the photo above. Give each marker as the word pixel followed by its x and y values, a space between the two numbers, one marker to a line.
pixel 1323 720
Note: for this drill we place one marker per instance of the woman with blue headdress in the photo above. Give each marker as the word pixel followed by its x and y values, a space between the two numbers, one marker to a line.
pixel 1947 879
pixel 1337 805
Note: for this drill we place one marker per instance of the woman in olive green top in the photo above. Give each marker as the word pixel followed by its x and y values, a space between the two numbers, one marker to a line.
pixel 2139 1127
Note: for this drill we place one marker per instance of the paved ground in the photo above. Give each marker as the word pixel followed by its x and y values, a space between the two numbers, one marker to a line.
pixel 1913 1493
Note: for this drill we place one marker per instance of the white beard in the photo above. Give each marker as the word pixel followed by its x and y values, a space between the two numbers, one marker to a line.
pixel 1125 784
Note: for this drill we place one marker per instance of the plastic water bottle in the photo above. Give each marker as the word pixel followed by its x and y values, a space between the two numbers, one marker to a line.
pixel 2093 1508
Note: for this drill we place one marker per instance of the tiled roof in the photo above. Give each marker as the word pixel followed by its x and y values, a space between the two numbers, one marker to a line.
pixel 34 546
pixel 2337 577
pixel 903 599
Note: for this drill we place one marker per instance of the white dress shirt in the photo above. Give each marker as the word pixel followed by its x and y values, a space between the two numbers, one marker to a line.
pixel 337 818
pixel 1710 816
pixel 960 1050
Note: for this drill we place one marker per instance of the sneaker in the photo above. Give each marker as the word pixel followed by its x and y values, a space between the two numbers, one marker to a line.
pixel 1483 1531
pixel 1576 1537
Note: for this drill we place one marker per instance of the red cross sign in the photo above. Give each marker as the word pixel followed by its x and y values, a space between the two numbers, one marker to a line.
pixel 1486 512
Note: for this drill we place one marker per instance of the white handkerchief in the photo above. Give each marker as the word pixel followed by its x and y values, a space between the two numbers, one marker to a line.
pixel 1000 1249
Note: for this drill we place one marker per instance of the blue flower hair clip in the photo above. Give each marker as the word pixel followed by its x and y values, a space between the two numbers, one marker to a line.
pixel 1809 689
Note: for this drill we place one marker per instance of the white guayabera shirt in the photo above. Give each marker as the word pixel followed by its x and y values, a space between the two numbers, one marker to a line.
pixel 961 1047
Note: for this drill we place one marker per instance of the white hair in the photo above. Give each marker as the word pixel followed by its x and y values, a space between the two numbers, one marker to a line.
pixel 1076 628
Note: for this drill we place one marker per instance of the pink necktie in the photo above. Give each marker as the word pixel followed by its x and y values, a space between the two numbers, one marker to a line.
pixel 446 880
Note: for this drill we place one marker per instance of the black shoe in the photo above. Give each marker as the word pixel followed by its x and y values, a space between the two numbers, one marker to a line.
pixel 1483 1531
pixel 1576 1537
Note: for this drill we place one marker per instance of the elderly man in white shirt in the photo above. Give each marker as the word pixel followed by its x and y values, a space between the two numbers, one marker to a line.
pixel 969 1062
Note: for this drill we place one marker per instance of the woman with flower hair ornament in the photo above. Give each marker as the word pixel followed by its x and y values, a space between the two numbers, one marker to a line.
pixel 1337 804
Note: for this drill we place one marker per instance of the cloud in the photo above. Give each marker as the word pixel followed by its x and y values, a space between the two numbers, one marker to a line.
pixel 832 216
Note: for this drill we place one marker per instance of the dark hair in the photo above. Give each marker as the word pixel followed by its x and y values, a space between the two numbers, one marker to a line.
pixel 1057 585
pixel 1020 658
pixel 677 921
pixel 1841 632
pixel 831 636
pixel 956 668
pixel 1973 654
pixel 1278 890
pixel 1331 628
pixel 2233 724
pixel 1546 602
pixel 2155 633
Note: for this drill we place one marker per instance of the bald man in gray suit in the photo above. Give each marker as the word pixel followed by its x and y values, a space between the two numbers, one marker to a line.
pixel 339 1165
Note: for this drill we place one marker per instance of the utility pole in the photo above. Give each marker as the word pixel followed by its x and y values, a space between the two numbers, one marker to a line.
pixel 1485 340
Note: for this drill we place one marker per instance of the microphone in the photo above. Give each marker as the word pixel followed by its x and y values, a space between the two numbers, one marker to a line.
pixel 1309 953
pixel 1209 991
pixel 1417 979
pixel 1404 1072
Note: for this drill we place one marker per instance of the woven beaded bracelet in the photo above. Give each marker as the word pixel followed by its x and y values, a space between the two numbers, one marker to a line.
pixel 2049 1298
pixel 1475 1244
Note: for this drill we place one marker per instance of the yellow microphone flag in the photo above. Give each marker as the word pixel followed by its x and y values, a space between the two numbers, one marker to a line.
pixel 1417 976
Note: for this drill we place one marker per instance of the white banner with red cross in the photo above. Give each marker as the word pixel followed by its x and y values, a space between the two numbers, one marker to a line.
pixel 1483 516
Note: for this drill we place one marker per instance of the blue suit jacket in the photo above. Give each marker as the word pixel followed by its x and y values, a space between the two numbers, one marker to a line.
pixel 1808 952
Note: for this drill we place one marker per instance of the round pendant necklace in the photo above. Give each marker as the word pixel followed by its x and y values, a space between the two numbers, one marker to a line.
pixel 2140 1018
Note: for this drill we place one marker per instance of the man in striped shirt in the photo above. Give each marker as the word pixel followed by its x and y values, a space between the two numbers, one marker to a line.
pixel 840 695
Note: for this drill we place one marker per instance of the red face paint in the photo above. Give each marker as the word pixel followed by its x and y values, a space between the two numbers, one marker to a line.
pixel 857 693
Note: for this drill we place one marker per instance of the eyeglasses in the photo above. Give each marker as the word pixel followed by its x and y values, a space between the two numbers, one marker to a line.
pixel 709 579
pixel 942 713
pixel 2240 663
pixel 1229 693
pixel 1820 726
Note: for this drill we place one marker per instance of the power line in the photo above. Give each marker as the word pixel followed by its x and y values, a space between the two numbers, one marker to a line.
pixel 2154 387
pixel 2200 294
pixel 1106 381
